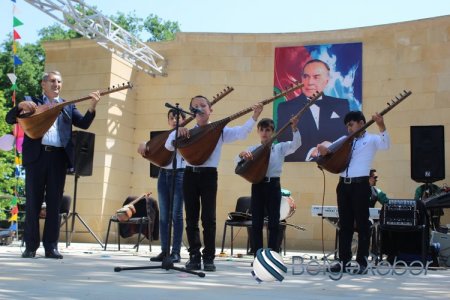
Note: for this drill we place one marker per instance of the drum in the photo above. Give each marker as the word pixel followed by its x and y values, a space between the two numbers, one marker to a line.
pixel 287 207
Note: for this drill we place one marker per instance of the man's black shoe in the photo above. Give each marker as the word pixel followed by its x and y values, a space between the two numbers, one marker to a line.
pixel 362 270
pixel 175 257
pixel 208 265
pixel 28 254
pixel 53 253
pixel 159 257
pixel 193 263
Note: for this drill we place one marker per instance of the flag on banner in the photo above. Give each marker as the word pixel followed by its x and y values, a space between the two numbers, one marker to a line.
pixel 13 97
pixel 13 227
pixel 13 201
pixel 18 160
pixel 15 210
pixel 7 142
pixel 14 47
pixel 13 218
pixel 18 133
pixel 16 22
pixel 17 60
pixel 16 35
pixel 12 77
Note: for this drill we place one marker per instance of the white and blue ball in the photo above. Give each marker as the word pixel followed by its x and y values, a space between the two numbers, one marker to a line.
pixel 268 266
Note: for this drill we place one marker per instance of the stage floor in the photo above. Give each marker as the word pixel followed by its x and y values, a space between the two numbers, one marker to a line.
pixel 87 272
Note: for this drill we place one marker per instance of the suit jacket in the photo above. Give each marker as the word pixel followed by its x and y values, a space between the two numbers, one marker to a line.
pixel 69 116
pixel 331 123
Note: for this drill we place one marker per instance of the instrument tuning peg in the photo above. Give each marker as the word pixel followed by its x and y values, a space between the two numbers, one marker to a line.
pixel 109 88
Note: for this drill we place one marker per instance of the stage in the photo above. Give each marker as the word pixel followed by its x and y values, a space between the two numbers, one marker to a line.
pixel 87 272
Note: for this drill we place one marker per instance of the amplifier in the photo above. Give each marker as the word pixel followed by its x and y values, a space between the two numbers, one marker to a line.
pixel 400 213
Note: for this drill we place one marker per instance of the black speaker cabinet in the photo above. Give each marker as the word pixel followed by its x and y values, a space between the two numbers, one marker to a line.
pixel 427 153
pixel 154 169
pixel 83 144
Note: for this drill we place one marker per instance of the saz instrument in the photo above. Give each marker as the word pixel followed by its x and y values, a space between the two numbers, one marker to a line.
pixel 155 150
pixel 36 124
pixel 127 211
pixel 255 169
pixel 203 139
pixel 339 157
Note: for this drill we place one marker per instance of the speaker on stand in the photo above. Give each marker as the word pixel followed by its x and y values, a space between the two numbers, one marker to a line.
pixel 83 145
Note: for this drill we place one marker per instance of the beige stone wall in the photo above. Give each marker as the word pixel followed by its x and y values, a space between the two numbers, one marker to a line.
pixel 413 56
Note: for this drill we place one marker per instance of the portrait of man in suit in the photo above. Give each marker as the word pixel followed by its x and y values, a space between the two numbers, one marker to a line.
pixel 322 121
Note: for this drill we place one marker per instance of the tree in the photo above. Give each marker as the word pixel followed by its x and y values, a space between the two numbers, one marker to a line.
pixel 160 30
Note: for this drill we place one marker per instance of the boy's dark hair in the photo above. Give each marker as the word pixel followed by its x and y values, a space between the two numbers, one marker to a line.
pixel 266 123
pixel 174 113
pixel 354 115
pixel 200 96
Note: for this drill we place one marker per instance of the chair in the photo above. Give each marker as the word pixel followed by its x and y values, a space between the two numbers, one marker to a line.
pixel 142 222
pixel 64 213
pixel 241 217
pixel 243 208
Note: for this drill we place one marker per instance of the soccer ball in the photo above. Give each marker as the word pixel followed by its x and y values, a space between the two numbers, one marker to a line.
pixel 268 266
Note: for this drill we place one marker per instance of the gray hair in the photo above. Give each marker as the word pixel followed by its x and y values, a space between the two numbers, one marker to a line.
pixel 47 74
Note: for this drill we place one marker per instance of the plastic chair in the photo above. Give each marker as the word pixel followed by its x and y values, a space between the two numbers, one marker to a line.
pixel 139 223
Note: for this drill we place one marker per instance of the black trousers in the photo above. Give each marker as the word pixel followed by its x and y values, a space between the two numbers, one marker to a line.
pixel 44 181
pixel 353 207
pixel 200 193
pixel 266 200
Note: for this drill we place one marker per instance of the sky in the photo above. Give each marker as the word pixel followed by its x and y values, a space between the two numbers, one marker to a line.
pixel 240 16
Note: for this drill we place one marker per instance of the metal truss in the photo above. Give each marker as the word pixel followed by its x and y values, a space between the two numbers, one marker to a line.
pixel 105 32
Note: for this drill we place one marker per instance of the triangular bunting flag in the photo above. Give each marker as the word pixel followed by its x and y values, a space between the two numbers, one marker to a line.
pixel 12 77
pixel 13 97
pixel 16 35
pixel 13 201
pixel 13 227
pixel 15 210
pixel 13 218
pixel 14 87
pixel 14 47
pixel 13 1
pixel 16 22
pixel 17 60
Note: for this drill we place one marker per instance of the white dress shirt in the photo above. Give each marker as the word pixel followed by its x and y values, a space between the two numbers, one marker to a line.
pixel 229 135
pixel 181 163
pixel 363 153
pixel 277 154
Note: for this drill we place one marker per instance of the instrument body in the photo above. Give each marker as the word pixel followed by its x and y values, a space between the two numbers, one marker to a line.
pixel 155 150
pixel 35 125
pixel 338 158
pixel 203 139
pixel 255 169
pixel 126 212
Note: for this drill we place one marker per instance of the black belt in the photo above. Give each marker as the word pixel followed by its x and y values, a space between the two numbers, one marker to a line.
pixel 201 169
pixel 49 148
pixel 350 180
pixel 169 170
pixel 270 179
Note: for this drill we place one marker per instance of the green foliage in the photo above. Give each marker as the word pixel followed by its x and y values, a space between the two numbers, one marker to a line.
pixel 159 29
pixel 129 22
pixel 8 182
pixel 56 32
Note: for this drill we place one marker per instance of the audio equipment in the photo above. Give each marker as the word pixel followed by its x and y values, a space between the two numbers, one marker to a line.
pixel 83 145
pixel 427 153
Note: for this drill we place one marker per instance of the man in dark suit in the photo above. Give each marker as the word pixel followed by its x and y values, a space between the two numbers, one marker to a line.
pixel 45 161
pixel 322 121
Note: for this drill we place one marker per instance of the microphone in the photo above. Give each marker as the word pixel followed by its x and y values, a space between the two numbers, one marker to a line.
pixel 196 110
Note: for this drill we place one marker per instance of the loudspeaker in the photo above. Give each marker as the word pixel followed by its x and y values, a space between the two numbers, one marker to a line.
pixel 154 169
pixel 427 153
pixel 83 146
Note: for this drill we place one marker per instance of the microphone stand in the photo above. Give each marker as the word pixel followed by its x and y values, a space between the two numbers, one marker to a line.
pixel 167 263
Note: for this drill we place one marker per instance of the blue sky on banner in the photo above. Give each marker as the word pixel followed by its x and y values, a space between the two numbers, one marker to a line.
pixel 237 16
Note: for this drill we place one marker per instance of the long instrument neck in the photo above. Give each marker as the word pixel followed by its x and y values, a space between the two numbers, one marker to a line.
pixel 264 102
pixel 105 92
pixel 299 114
pixel 216 99
pixel 139 198
pixel 390 106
